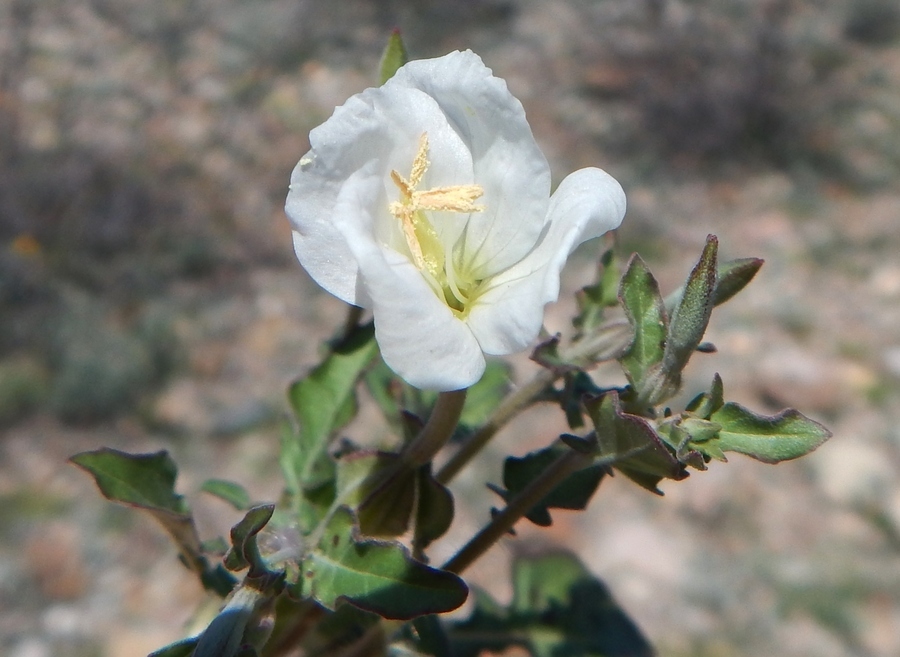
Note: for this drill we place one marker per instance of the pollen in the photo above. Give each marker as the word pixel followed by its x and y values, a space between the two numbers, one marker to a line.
pixel 413 202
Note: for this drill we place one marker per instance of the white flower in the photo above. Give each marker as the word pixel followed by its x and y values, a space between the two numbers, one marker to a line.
pixel 428 201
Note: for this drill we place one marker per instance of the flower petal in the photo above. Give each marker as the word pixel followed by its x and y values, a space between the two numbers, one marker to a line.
pixel 508 316
pixel 419 336
pixel 378 128
pixel 508 164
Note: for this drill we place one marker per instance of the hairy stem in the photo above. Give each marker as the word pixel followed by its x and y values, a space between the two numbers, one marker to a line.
pixel 521 504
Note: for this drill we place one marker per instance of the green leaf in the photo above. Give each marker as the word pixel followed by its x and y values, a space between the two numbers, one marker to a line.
pixel 434 511
pixel 574 493
pixel 380 489
pixel 393 58
pixel 377 576
pixel 558 608
pixel 693 439
pixel 639 294
pixel 245 551
pixel 323 402
pixel 631 445
pixel 233 493
pixel 770 439
pixel 147 482
pixel 733 276
pixel 691 317
pixel 707 403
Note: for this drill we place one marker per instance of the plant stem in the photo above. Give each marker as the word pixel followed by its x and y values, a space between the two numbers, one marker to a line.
pixel 507 409
pixel 437 430
pixel 604 344
pixel 521 504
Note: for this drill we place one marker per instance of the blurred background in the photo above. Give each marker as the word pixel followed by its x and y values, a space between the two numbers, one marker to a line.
pixel 149 297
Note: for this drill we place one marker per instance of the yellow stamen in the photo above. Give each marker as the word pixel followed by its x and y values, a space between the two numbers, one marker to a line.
pixel 409 209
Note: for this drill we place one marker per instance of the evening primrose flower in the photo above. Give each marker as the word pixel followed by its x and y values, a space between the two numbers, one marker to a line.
pixel 428 201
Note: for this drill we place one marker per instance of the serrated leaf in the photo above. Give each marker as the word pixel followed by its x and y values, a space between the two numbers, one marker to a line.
pixel 558 608
pixel 235 494
pixel 374 575
pixel 631 445
pixel 323 402
pixel 770 439
pixel 574 493
pixel 393 58
pixel 691 315
pixel 244 550
pixel 646 312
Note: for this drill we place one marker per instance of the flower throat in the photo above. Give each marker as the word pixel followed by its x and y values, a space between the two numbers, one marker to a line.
pixel 425 247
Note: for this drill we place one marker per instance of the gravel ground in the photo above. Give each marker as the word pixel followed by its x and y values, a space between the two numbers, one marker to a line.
pixel 149 298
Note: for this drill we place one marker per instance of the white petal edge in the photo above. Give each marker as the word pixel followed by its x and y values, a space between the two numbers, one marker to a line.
pixel 509 165
pixel 379 128
pixel 419 336
pixel 508 316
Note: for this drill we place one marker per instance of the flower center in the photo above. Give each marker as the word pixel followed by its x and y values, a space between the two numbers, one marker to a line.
pixel 425 247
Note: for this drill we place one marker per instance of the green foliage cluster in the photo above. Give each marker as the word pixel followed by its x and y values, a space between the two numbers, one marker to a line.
pixel 363 519
pixel 355 578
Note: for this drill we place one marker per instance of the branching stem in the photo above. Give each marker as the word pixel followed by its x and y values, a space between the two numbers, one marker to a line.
pixel 521 504
pixel 508 409
pixel 604 344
